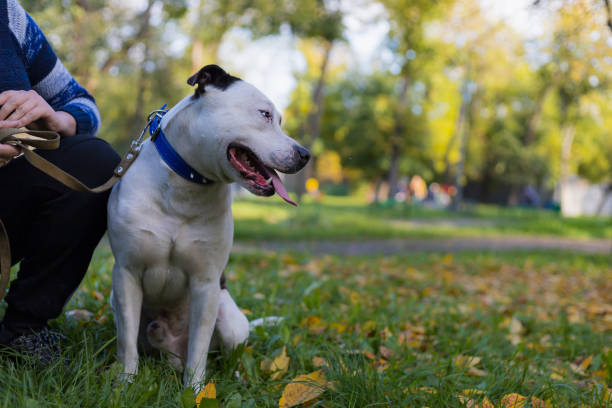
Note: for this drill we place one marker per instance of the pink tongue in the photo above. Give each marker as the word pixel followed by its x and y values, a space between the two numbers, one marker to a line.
pixel 280 188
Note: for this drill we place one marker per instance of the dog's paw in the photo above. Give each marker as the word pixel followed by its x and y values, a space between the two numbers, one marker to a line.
pixel 124 379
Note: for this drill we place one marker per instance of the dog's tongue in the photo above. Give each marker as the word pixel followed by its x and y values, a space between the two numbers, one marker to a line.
pixel 280 188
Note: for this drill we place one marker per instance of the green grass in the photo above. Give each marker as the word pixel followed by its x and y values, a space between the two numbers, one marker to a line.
pixel 349 218
pixel 527 316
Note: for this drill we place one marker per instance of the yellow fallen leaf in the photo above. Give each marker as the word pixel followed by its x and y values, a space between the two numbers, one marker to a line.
pixel 471 403
pixel 467 361
pixel 97 295
pixel 314 323
pixel 369 354
pixel 448 258
pixel 277 366
pixel 586 363
pixel 556 376
pixel 513 400
pixel 368 327
pixel 471 391
pixel 319 362
pixel 339 327
pixel 601 373
pixel 485 404
pixel 476 372
pixel 302 389
pixel 209 391
pixel 386 352
pixel 380 365
pixel 538 403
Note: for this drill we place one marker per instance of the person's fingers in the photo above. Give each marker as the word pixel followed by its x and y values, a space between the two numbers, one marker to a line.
pixel 15 100
pixel 8 151
pixel 4 96
pixel 28 118
pixel 21 110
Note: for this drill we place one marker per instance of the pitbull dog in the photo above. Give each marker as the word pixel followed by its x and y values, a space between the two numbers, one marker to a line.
pixel 171 238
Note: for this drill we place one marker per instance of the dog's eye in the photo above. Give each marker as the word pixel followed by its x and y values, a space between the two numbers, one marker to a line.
pixel 266 114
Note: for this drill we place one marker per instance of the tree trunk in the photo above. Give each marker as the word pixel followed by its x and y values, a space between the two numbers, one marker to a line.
pixel 567 134
pixel 463 131
pixel 537 114
pixel 397 140
pixel 313 122
pixel 607 192
pixel 456 134
pixel 393 172
pixel 377 187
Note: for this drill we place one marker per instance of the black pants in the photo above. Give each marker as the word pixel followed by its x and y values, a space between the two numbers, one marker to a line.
pixel 52 230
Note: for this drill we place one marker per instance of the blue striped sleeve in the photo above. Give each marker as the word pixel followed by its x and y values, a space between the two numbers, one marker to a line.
pixel 47 74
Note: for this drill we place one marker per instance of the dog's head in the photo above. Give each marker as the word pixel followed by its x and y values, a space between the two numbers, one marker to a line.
pixel 241 126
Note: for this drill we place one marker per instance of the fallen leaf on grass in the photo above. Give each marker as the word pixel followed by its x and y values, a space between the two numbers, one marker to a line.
pixel 278 366
pixel 515 400
pixel 469 363
pixel 79 315
pixel 303 388
pixel 369 354
pixel 314 324
pixel 472 403
pixel 207 398
pixel 386 352
pixel 97 295
pixel 319 362
pixel 515 328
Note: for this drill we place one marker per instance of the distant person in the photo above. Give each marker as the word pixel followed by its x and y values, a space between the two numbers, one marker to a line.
pixel 52 230
pixel 530 197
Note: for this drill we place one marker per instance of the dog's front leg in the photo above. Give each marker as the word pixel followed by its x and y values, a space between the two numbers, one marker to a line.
pixel 127 304
pixel 203 307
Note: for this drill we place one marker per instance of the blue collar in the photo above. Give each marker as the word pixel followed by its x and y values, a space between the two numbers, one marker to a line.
pixel 169 155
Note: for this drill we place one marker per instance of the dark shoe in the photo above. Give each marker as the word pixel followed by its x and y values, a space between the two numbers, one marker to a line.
pixel 42 345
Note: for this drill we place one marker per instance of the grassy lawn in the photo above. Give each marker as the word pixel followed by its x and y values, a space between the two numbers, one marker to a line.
pixel 351 218
pixel 417 331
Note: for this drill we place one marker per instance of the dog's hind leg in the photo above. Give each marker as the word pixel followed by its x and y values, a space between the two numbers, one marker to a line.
pixel 232 325
pixel 126 302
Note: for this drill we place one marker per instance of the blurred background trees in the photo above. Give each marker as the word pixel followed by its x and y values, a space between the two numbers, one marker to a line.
pixel 451 91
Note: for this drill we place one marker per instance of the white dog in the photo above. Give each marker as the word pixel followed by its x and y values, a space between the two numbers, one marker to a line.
pixel 171 237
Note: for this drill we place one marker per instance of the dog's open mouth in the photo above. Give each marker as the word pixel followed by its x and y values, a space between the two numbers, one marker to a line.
pixel 260 179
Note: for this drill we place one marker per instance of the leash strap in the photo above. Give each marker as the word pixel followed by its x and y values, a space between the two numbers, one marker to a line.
pixel 28 140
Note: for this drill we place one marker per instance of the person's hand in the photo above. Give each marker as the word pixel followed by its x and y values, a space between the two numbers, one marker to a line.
pixel 28 108
pixel 7 152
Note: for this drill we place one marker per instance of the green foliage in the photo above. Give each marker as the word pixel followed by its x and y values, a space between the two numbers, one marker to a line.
pixel 403 111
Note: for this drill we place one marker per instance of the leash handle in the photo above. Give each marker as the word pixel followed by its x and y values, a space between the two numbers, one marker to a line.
pixel 29 140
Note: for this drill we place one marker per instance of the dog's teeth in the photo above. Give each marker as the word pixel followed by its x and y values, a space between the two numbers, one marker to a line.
pixel 269 181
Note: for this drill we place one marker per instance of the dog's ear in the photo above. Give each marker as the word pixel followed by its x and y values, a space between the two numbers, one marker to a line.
pixel 211 75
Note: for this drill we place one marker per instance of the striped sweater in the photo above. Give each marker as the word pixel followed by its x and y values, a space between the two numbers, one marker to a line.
pixel 27 61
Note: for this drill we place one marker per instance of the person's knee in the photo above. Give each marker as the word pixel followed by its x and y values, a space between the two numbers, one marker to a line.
pixel 94 158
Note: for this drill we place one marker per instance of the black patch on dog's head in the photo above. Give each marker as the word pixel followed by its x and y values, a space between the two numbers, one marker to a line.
pixel 211 75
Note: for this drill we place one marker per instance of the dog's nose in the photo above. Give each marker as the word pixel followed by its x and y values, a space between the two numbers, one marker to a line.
pixel 304 155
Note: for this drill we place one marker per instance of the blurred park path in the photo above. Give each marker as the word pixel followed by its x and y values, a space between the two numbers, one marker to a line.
pixel 402 246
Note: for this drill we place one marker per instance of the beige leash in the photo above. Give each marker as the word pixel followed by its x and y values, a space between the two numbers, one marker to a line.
pixel 28 140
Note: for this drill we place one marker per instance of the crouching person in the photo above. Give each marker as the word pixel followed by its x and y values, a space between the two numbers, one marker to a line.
pixel 52 230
